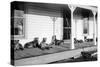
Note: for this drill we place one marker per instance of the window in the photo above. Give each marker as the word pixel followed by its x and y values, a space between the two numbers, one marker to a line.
pixel 85 26
pixel 17 24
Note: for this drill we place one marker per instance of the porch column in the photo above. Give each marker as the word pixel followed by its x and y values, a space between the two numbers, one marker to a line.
pixel 72 8
pixel 97 30
pixel 54 20
pixel 94 27
pixel 76 29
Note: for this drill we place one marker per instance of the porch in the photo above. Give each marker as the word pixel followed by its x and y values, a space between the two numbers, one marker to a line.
pixel 77 28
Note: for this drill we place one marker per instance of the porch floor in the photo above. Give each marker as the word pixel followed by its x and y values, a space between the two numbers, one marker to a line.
pixel 64 56
pixel 33 52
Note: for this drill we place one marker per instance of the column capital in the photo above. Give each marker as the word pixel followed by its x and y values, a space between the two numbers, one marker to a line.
pixel 53 18
pixel 94 12
pixel 72 7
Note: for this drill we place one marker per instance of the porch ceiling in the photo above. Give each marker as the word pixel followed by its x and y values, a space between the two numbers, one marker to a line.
pixel 41 8
pixel 83 12
pixel 49 9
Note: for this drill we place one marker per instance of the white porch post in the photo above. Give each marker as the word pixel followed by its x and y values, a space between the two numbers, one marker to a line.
pixel 72 8
pixel 54 20
pixel 97 30
pixel 94 27
pixel 53 26
pixel 76 29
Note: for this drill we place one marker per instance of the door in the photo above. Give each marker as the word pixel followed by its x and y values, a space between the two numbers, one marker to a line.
pixel 66 29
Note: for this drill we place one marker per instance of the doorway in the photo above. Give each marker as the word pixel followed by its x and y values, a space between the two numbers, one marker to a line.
pixel 66 29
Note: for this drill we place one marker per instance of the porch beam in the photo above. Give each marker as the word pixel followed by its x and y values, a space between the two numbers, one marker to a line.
pixel 88 7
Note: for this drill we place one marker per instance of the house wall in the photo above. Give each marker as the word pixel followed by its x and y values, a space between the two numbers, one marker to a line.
pixel 79 28
pixel 90 27
pixel 40 26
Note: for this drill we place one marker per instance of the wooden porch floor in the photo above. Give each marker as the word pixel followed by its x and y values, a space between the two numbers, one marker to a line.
pixel 33 52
